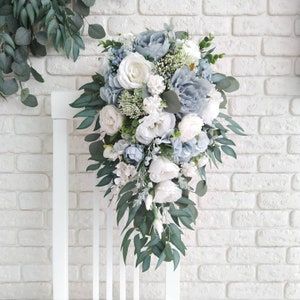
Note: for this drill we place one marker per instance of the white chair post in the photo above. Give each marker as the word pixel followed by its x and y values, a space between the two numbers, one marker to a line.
pixel 61 113
pixel 172 282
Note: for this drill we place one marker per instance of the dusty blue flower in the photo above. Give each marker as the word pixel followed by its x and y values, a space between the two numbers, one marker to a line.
pixel 154 44
pixel 204 69
pixel 111 90
pixel 117 56
pixel 134 154
pixel 192 91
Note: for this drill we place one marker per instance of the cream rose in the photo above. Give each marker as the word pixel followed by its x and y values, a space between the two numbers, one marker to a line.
pixel 212 108
pixel 110 119
pixel 189 127
pixel 167 191
pixel 134 71
pixel 162 169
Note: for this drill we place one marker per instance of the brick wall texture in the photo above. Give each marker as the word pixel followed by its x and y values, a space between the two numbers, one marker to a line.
pixel 247 239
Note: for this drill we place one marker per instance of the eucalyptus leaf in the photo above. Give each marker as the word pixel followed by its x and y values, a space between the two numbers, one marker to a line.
pixel 23 36
pixel 96 31
pixel 30 101
pixel 8 86
pixel 172 101
pixel 201 188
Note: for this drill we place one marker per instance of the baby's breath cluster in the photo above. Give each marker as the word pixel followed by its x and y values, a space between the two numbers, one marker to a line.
pixel 131 103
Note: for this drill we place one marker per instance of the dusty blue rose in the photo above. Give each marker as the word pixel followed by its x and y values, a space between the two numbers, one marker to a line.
pixel 204 69
pixel 192 91
pixel 111 90
pixel 134 154
pixel 118 54
pixel 154 44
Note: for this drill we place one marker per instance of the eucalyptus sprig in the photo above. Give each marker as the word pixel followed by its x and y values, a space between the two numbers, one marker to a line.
pixel 27 27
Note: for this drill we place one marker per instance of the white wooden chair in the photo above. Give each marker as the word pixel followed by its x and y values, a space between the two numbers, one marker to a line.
pixel 62 114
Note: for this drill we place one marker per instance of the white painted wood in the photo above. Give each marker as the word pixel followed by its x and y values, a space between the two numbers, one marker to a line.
pixel 172 282
pixel 61 112
pixel 96 240
pixel 136 282
pixel 122 275
pixel 109 252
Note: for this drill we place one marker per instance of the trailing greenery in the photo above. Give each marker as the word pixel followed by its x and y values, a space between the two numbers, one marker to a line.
pixel 27 27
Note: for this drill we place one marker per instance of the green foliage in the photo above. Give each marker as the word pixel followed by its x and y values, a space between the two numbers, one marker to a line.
pixel 207 52
pixel 27 27
pixel 173 104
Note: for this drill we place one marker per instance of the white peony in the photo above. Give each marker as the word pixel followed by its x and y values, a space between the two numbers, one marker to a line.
pixel 134 71
pixel 189 170
pixel 156 84
pixel 212 108
pixel 167 191
pixel 189 127
pixel 154 125
pixel 192 51
pixel 162 169
pixel 124 173
pixel 104 63
pixel 110 119
pixel 152 104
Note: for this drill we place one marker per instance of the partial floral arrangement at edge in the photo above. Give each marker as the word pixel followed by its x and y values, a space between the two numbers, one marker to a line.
pixel 155 111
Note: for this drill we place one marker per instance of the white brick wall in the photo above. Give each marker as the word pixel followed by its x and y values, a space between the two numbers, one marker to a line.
pixel 247 239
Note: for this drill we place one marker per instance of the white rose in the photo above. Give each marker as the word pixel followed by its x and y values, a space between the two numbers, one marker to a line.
pixel 124 173
pixel 156 84
pixel 104 63
pixel 154 125
pixel 189 170
pixel 110 119
pixel 192 51
pixel 109 153
pixel 167 191
pixel 212 108
pixel 162 169
pixel 189 127
pixel 134 70
pixel 152 104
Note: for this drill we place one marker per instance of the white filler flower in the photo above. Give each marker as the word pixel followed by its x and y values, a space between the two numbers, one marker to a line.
pixel 189 127
pixel 134 71
pixel 191 50
pixel 156 84
pixel 152 104
pixel 111 119
pixel 162 169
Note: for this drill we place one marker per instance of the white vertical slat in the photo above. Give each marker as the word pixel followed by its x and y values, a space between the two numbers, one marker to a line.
pixel 61 112
pixel 172 282
pixel 109 252
pixel 60 209
pixel 136 282
pixel 122 267
pixel 96 239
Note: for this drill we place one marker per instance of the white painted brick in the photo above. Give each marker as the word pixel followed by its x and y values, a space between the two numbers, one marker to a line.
pixel 135 24
pixel 258 105
pixel 20 144
pixel 35 237
pixel 21 291
pixel 234 7
pixel 192 291
pixel 255 255
pixel 279 200
pixel 293 255
pixel 84 65
pixel 120 7
pixel 238 45
pixel 294 144
pixel 205 255
pixel 260 182
pixel 295 218
pixel 83 219
pixel 8 237
pixel 21 219
pixel 82 182
pixel 213 219
pixel 282 7
pixel 27 125
pixel 281 46
pixel 295 106
pixel 297 27
pixel 258 218
pixel 292 290
pixel 81 290
pixel 297 66
pixel 278 237
pixel 227 200
pixel 33 201
pixel 8 200
pixel 37 272
pixel 218 182
pixel 6 125
pixel 278 273
pixel 261 144
pixel 170 7
pixel 10 273
pixel 255 290
pixel 288 86
pixel 250 86
pixel 227 273
pixel 231 237
pixel 80 255
pixel 249 124
pixel 23 255
pixel 7 163
pixel 262 25
pixel 24 182
pixel 278 163
pixel 296 182
pixel 280 125
pixel 15 107
pixel 203 25
pixel 249 66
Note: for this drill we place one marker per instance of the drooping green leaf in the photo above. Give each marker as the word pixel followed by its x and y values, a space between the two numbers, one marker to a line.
pixel 36 75
pixel 87 122
pixel 42 37
pixel 96 31
pixel 229 151
pixel 201 188
pixel 88 3
pixel 30 101
pixel 172 101
pixel 8 86
pixel 23 36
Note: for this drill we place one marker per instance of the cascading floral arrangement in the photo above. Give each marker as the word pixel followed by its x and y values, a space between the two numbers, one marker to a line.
pixel 155 105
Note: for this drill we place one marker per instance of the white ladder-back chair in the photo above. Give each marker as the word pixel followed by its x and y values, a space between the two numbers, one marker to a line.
pixel 62 114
